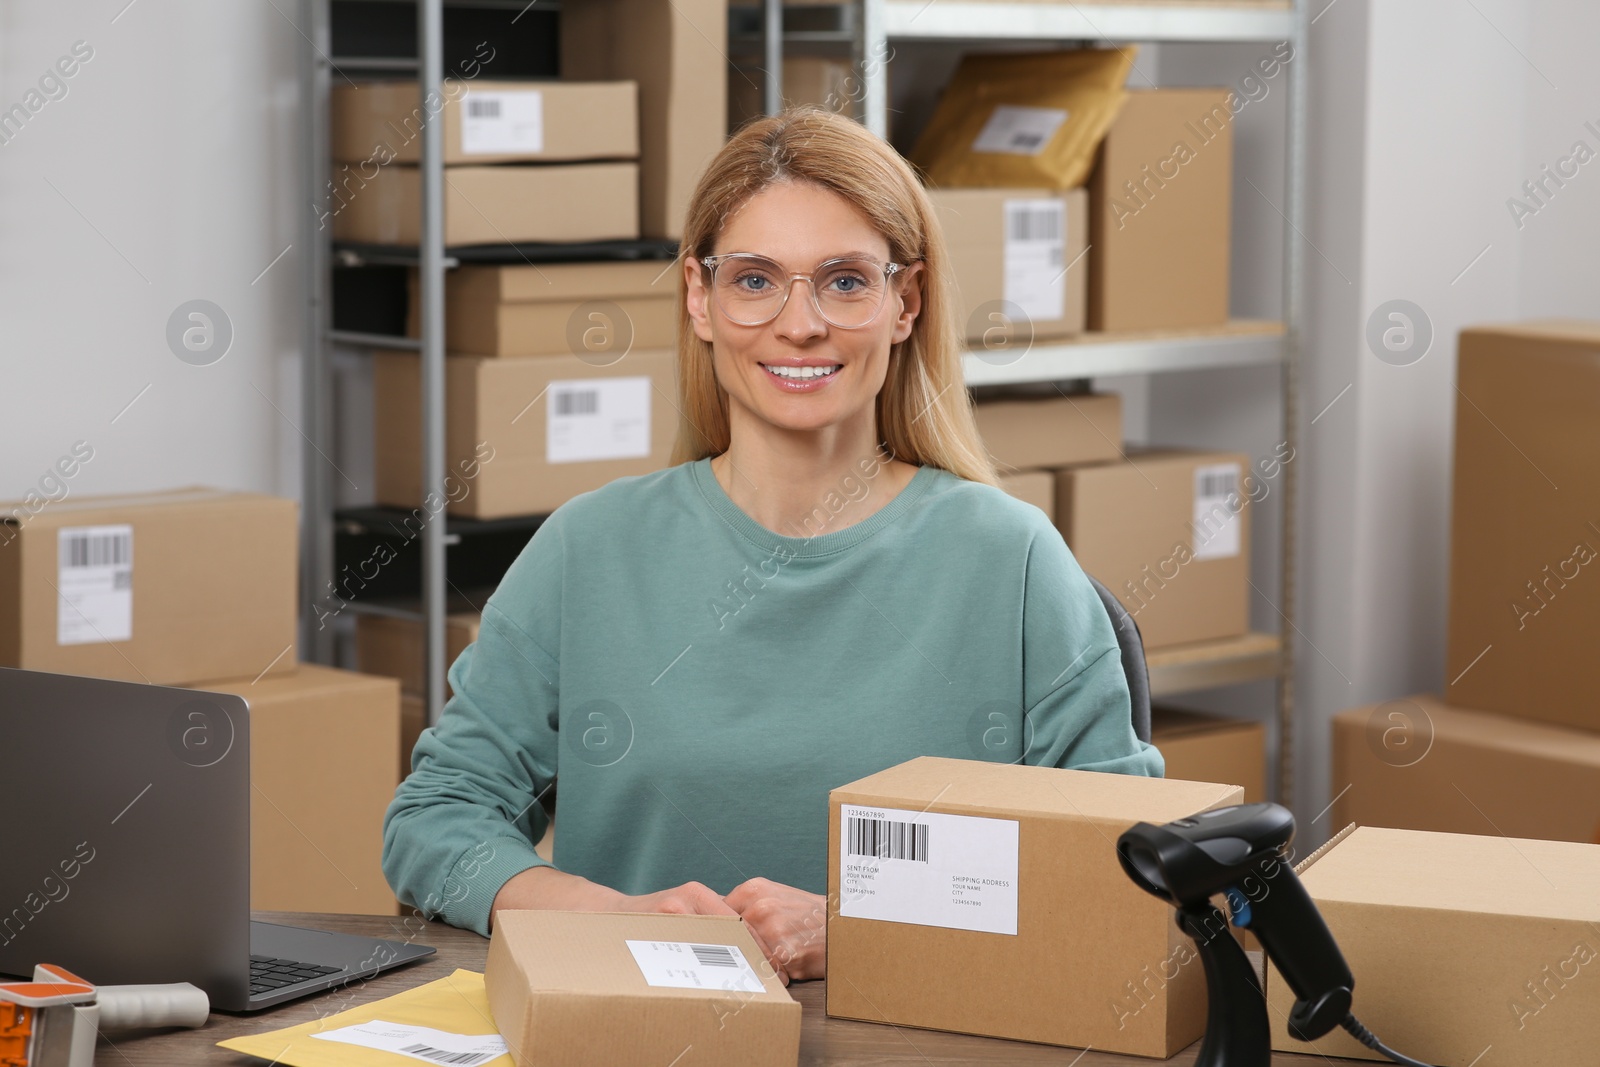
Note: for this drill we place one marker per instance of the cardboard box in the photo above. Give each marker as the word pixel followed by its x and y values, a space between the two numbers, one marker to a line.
pixel 1160 202
pixel 524 435
pixel 1018 261
pixel 673 49
pixel 1459 944
pixel 1212 748
pixel 817 81
pixel 1169 533
pixel 1524 582
pixel 1023 120
pixel 324 745
pixel 487 121
pixel 1036 487
pixel 494 205
pixel 998 906
pixel 557 308
pixel 393 647
pixel 1419 764
pixel 169 588
pixel 1033 432
pixel 596 989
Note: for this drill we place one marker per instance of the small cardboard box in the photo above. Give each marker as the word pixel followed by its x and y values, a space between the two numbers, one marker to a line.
pixel 1023 120
pixel 1418 764
pixel 1169 533
pixel 597 989
pixel 557 308
pixel 1524 577
pixel 393 647
pixel 1212 748
pixel 1459 944
pixel 524 435
pixel 1036 487
pixel 324 746
pixel 674 50
pixel 170 588
pixel 1159 211
pixel 986 898
pixel 487 121
pixel 493 205
pixel 1055 431
pixel 1018 259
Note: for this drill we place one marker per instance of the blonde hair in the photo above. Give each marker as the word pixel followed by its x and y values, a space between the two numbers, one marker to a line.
pixel 924 412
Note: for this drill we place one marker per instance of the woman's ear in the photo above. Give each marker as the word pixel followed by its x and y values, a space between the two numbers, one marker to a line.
pixel 695 294
pixel 909 288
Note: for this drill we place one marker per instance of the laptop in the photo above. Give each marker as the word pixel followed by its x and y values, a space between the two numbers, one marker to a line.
pixel 125 847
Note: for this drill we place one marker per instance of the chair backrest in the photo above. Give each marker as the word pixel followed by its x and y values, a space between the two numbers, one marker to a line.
pixel 1133 665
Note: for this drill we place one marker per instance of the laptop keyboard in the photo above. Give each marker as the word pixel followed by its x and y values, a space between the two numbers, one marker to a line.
pixel 268 975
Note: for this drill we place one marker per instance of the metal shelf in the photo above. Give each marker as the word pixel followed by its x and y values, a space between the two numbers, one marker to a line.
pixel 1251 657
pixel 1241 343
pixel 982 20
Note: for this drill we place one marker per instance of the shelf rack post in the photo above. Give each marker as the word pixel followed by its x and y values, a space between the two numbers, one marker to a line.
pixel 316 378
pixel 431 268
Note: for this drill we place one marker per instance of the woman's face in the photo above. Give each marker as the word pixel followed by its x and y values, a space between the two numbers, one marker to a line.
pixel 800 226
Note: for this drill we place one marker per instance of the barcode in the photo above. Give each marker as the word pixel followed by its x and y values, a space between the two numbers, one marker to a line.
pixel 1036 222
pixel 714 955
pixel 1216 483
pixel 1024 141
pixel 888 839
pixel 439 1055
pixel 578 402
pixel 96 549
pixel 483 109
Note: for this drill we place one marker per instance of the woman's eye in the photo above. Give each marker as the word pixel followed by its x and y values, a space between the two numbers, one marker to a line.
pixel 752 282
pixel 848 283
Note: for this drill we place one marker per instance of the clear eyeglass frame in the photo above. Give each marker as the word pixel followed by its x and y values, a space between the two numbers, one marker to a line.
pixel 712 263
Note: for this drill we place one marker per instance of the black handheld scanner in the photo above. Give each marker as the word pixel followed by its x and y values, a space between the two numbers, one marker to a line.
pixel 1242 852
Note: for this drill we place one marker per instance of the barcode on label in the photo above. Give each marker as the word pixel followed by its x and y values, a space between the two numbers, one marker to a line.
pixel 439 1055
pixel 888 839
pixel 1216 481
pixel 585 402
pixel 713 955
pixel 95 549
pixel 479 108
pixel 1035 222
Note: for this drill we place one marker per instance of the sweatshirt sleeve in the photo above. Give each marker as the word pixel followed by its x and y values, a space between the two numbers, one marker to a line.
pixel 1078 713
pixel 465 819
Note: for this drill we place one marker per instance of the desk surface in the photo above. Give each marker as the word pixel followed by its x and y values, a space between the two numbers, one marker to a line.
pixel 822 1040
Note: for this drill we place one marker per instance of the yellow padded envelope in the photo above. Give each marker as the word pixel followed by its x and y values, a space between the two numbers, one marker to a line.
pixel 455 1004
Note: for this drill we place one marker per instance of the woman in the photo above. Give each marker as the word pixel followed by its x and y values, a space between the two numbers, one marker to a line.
pixel 826 584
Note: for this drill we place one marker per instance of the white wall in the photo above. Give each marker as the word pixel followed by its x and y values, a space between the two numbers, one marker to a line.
pixel 168 172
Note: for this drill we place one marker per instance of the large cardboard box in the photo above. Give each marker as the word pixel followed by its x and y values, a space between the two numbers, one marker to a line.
pixel 171 588
pixel 674 50
pixel 393 646
pixel 1212 748
pixel 524 435
pixel 1034 432
pixel 817 81
pixel 598 989
pixel 487 121
pixel 1159 213
pixel 987 898
pixel 1525 530
pixel 1024 120
pixel 1018 259
pixel 1036 487
pixel 557 307
pixel 1169 533
pixel 494 204
pixel 1459 945
pixel 1419 764
pixel 324 745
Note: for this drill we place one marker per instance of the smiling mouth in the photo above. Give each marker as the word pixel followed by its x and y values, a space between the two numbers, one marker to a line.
pixel 802 374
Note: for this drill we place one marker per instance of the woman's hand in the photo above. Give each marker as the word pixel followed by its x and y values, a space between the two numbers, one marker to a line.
pixel 790 924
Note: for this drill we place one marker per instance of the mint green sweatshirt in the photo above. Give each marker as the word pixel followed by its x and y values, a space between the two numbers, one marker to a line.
pixel 699 683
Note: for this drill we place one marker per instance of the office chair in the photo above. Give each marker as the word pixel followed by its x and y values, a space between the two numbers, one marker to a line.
pixel 1133 665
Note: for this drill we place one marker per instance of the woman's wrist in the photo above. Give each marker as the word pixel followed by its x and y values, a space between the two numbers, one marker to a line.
pixel 545 888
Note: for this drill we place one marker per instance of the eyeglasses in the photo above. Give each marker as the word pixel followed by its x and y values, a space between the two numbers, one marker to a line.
pixel 751 290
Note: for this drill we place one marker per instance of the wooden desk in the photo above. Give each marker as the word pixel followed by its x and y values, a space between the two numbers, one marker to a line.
pixel 822 1040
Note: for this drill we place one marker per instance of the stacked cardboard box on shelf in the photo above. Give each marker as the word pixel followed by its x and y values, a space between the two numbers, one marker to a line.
pixel 1212 748
pixel 392 647
pixel 816 81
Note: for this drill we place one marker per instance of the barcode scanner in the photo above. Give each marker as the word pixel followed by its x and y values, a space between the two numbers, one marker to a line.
pixel 1241 852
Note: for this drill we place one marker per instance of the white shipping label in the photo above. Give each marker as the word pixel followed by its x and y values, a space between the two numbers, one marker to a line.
pixel 956 871
pixel 597 418
pixel 1034 257
pixel 1216 511
pixel 690 965
pixel 422 1042
pixel 507 121
pixel 1022 131
pixel 94 584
